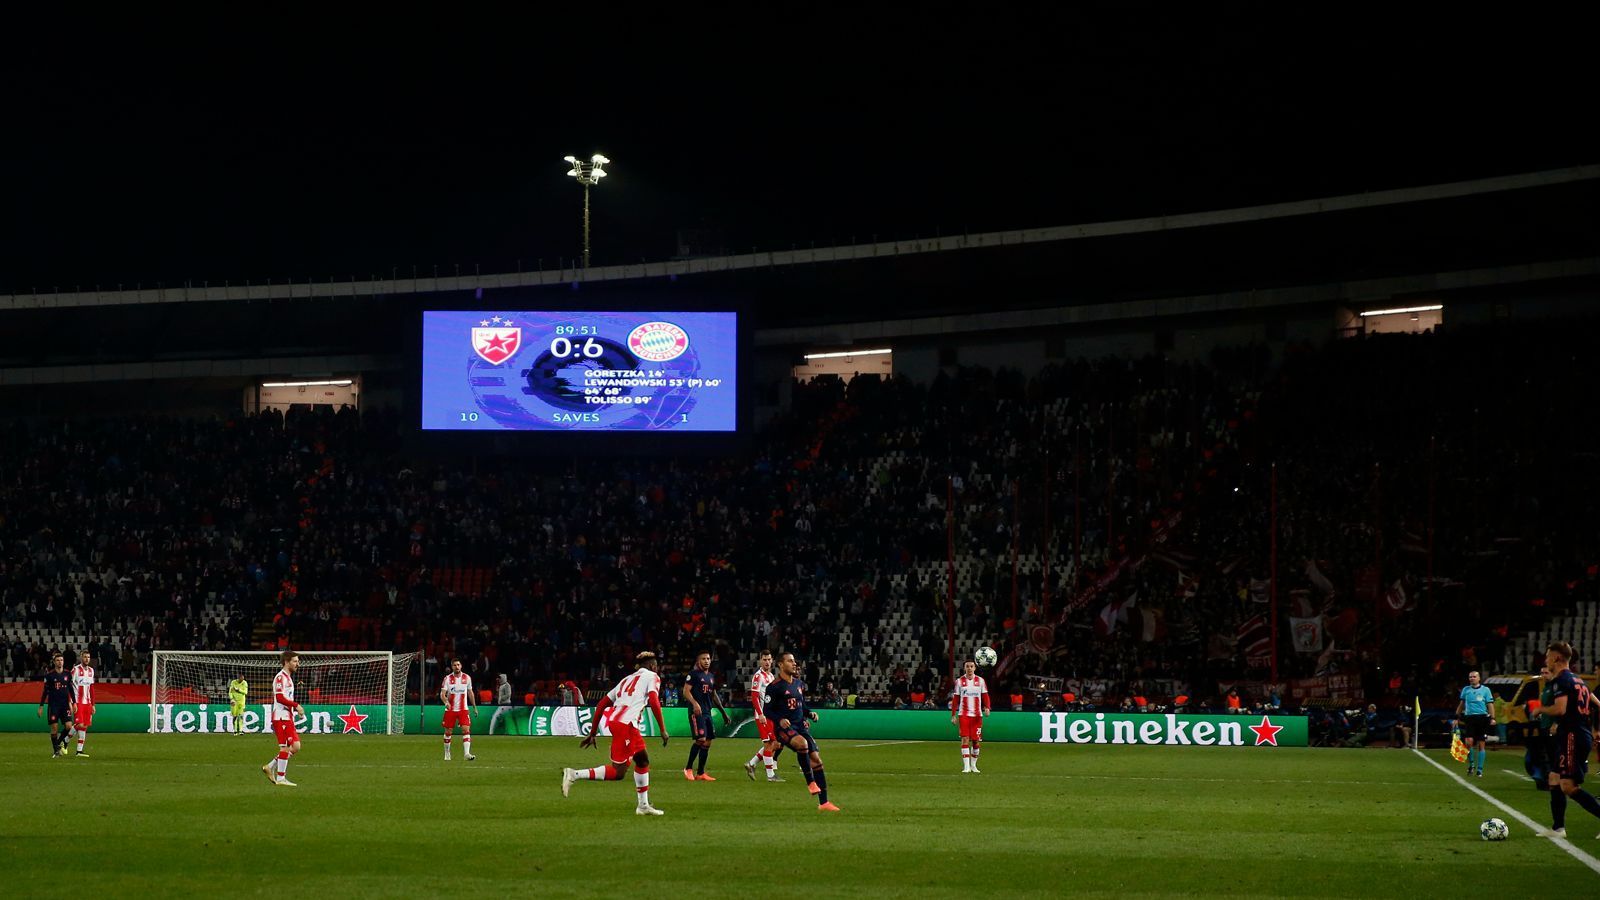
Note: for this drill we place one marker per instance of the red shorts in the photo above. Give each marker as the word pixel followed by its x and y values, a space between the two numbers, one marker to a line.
pixel 84 717
pixel 452 718
pixel 971 727
pixel 285 732
pixel 625 742
pixel 764 730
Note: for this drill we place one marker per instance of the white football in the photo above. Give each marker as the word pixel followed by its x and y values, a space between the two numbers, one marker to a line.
pixel 985 656
pixel 1493 830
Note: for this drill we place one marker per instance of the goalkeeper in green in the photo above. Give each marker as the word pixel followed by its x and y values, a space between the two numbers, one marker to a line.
pixel 238 690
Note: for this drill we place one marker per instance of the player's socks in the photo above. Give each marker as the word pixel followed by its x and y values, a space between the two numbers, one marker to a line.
pixel 604 773
pixel 705 754
pixel 975 749
pixel 641 783
pixel 466 745
pixel 1587 800
pixel 771 763
pixel 82 736
pixel 283 765
pixel 1558 809
pixel 447 746
pixel 822 785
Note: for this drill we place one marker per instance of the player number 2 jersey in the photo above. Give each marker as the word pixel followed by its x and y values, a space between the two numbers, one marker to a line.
pixel 758 689
pixel 457 692
pixel 83 685
pixel 631 697
pixel 971 694
pixel 282 684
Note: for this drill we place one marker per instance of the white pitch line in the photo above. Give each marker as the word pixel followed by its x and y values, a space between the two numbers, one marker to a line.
pixel 885 744
pixel 1580 855
pixel 1515 774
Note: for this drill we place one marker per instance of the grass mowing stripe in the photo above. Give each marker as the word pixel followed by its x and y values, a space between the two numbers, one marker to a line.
pixel 1563 843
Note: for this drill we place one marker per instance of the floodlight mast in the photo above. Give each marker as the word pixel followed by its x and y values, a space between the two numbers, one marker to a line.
pixel 588 173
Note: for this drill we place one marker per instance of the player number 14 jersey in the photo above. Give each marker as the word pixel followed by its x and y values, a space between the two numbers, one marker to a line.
pixel 631 696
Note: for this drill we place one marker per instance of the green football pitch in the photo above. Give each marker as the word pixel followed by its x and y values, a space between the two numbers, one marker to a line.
pixel 379 816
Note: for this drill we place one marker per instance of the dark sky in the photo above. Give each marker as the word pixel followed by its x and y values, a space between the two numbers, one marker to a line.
pixel 142 151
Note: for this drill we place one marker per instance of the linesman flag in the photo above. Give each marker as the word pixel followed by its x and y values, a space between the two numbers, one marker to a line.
pixel 1458 750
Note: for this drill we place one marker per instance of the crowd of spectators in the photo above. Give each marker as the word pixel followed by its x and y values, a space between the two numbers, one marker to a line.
pixel 320 529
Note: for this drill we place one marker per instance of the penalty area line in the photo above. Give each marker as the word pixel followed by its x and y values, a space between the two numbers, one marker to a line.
pixel 1576 853
pixel 884 744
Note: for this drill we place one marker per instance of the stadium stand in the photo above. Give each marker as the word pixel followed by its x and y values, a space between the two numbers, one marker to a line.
pixel 834 535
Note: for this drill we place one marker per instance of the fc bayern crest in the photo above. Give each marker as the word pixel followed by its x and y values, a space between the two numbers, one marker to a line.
pixel 496 345
pixel 658 341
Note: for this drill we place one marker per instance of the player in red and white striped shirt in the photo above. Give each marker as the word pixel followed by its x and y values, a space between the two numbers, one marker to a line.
pixel 968 705
pixel 459 705
pixel 621 711
pixel 83 697
pixel 770 747
pixel 284 708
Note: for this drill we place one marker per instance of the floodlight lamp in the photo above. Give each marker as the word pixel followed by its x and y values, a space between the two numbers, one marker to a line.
pixel 570 159
pixel 599 160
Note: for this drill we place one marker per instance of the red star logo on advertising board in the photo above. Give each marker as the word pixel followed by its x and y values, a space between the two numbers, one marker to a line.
pixel 1266 732
pixel 352 721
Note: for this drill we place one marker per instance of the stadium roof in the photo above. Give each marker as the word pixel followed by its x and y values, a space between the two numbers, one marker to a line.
pixel 1459 223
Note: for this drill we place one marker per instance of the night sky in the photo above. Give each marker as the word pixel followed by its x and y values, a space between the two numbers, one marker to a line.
pixel 137 151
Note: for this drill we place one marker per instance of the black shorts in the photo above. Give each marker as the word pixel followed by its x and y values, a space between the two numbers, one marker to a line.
pixel 786 737
pixel 1476 727
pixel 701 727
pixel 1572 756
pixel 60 715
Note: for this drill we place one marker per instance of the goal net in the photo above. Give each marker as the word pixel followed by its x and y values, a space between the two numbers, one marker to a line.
pixel 339 690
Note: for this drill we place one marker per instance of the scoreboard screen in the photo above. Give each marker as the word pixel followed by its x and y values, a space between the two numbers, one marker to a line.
pixel 500 370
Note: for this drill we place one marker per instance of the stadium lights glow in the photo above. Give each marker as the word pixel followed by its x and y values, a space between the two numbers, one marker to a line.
pixel 847 353
pixel 1403 309
pixel 589 172
pixel 338 381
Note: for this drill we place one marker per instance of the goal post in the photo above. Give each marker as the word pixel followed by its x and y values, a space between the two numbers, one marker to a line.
pixel 327 683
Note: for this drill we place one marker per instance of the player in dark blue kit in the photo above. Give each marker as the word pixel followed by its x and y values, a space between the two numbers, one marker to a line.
pixel 1573 737
pixel 700 689
pixel 786 707
pixel 58 696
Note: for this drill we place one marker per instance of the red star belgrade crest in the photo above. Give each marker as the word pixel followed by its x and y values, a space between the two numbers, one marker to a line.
pixel 496 344
pixel 352 721
pixel 1266 732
